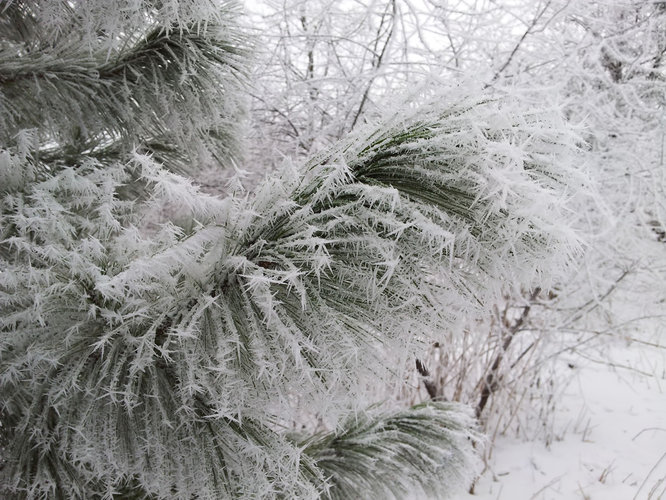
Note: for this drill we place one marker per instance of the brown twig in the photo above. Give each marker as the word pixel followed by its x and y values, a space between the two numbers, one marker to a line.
pixel 427 382
pixel 490 382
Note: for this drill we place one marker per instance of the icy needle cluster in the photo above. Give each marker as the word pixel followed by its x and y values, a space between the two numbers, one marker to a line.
pixel 103 77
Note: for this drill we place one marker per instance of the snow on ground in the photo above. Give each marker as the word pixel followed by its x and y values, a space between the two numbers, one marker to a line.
pixel 611 443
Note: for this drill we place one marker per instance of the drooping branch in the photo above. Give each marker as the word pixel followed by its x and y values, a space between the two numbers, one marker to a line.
pixel 426 449
pixel 134 97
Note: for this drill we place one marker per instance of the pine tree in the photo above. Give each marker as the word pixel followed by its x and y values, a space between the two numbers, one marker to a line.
pixel 171 361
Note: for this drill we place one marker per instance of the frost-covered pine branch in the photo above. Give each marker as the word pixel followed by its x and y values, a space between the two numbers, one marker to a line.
pixel 103 78
pixel 168 363
pixel 367 456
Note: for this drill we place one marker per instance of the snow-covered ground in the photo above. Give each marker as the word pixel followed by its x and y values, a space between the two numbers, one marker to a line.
pixel 611 437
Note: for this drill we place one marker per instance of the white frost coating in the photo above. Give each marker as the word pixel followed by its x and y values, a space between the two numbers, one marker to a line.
pixel 170 360
pixel 293 292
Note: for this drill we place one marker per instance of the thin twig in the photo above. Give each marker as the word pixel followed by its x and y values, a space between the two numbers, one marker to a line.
pixel 490 383
pixel 378 61
pixel 528 31
pixel 427 382
pixel 648 476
